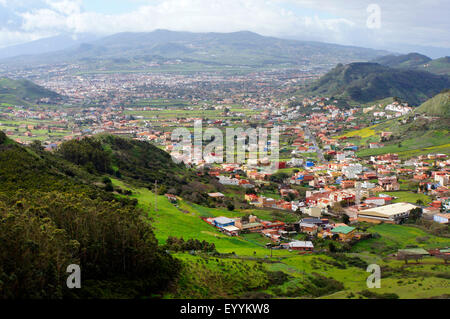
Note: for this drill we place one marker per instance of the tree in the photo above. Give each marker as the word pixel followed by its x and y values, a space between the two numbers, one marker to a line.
pixel 415 214
pixel 345 219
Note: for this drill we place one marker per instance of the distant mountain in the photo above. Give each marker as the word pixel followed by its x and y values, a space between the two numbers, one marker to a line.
pixel 416 61
pixel 46 45
pixel 411 60
pixel 237 48
pixel 439 105
pixel 23 92
pixel 366 82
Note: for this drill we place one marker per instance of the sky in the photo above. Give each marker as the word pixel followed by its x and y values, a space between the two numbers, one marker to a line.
pixel 396 25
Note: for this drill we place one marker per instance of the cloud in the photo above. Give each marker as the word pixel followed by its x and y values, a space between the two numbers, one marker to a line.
pixel 343 22
pixel 189 15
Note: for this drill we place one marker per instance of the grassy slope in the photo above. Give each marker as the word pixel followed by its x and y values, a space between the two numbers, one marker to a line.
pixel 199 275
pixel 395 237
pixel 437 106
pixel 22 92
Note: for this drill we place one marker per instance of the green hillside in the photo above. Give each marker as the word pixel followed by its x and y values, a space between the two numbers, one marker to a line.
pixel 53 214
pixel 416 61
pixel 23 92
pixel 408 61
pixel 58 209
pixel 411 136
pixel 437 106
pixel 366 82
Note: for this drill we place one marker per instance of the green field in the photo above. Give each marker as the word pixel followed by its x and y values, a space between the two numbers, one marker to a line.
pixel 394 237
pixel 228 275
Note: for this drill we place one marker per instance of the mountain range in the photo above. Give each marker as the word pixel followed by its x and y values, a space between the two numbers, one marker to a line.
pixel 367 82
pixel 237 48
pixel 416 61
pixel 46 45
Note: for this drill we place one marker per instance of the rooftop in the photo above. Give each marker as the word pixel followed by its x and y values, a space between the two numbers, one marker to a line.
pixel 389 210
pixel 343 229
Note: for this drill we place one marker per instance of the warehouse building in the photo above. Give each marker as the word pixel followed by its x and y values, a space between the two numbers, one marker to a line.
pixel 393 214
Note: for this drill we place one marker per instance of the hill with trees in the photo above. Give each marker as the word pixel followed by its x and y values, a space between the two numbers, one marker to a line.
pixel 366 82
pixel 416 61
pixel 242 48
pixel 439 105
pixel 23 92
pixel 54 213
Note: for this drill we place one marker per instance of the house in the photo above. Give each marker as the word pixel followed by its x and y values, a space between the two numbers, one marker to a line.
pixel 348 184
pixel 312 211
pixel 231 230
pixel 441 218
pixel 216 195
pixel 378 201
pixel 223 222
pixel 309 229
pixel 389 183
pixel 301 245
pixel 253 225
pixel 393 214
pixel 171 198
pixel 251 198
pixel 442 178
pixel 345 233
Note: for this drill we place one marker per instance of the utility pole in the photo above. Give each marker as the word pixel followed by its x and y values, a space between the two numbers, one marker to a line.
pixel 156 195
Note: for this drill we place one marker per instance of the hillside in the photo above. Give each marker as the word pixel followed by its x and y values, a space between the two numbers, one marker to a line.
pixel 416 61
pixel 52 215
pixel 237 48
pixel 439 105
pixel 408 61
pixel 412 135
pixel 23 92
pixel 366 82
pixel 138 163
pixel 45 45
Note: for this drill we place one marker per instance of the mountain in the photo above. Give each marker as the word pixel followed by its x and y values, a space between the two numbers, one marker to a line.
pixel 46 45
pixel 237 48
pixel 23 92
pixel 416 61
pixel 411 60
pixel 366 82
pixel 439 105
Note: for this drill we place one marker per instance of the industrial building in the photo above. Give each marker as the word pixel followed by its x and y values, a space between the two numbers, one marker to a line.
pixel 394 213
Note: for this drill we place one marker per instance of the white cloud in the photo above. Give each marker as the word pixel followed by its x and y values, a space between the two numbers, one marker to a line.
pixel 343 22
pixel 189 15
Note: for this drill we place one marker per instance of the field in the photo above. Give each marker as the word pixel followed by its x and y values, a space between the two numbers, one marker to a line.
pixel 408 197
pixel 393 237
pixel 299 276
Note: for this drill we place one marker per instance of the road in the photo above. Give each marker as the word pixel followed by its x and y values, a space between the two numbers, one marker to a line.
pixel 313 139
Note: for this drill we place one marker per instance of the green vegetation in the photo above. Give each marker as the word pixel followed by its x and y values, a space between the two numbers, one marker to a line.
pixel 416 61
pixel 390 238
pixel 90 203
pixel 365 82
pixel 439 105
pixel 22 92
pixel 49 219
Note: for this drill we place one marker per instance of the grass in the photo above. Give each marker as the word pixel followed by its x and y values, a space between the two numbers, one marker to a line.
pixel 211 277
pixel 419 144
pixel 409 197
pixel 394 237
pixel 185 221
